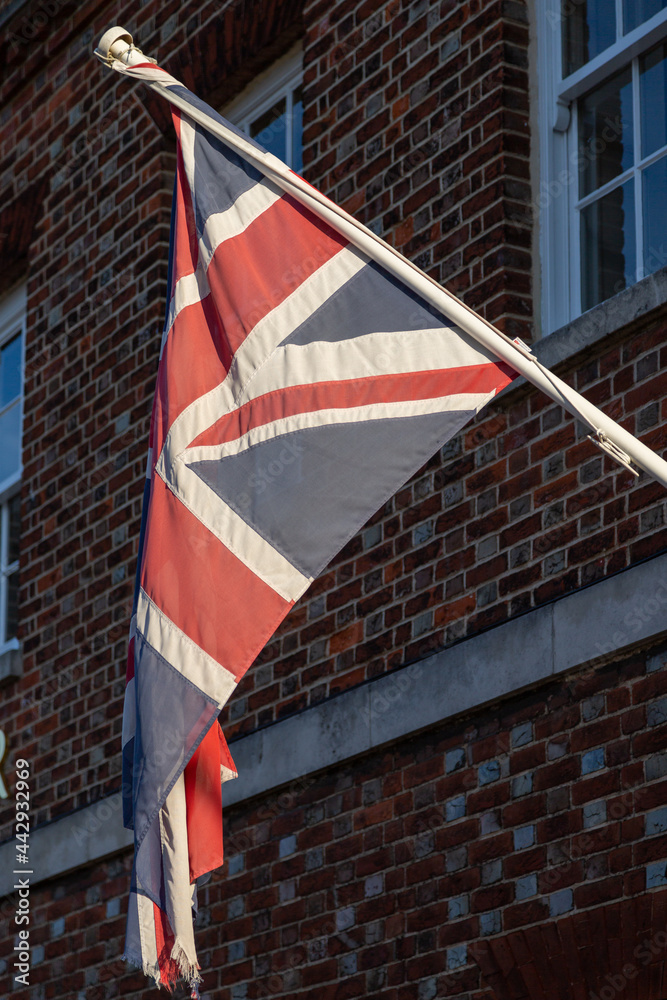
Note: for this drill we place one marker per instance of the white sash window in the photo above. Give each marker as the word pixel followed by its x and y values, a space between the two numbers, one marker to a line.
pixel 270 109
pixel 603 149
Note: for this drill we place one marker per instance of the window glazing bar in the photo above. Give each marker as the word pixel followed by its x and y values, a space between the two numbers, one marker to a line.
pixel 614 58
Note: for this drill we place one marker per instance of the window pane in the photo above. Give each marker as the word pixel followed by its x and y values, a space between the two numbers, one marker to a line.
pixel 608 252
pixel 10 370
pixel 635 12
pixel 588 28
pixel 297 131
pixel 14 528
pixel 269 130
pixel 653 99
pixel 654 195
pixel 605 132
pixel 12 620
pixel 10 441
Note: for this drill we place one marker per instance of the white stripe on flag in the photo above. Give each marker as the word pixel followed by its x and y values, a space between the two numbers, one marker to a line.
pixel 182 652
pixel 179 895
pixel 146 915
pixel 129 712
pixel 396 352
pixel 140 940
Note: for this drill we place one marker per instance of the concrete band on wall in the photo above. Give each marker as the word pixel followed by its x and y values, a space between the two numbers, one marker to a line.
pixel 614 615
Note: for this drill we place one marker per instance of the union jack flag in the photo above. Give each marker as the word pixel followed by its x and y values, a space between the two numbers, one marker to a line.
pixel 299 386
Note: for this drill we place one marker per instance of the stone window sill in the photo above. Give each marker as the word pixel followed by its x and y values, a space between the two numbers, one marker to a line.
pixel 628 306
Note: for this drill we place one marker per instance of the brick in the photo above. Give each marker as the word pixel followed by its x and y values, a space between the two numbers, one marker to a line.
pixel 458 906
pixel 656 822
pixel 490 922
pixel 656 766
pixel 456 956
pixel 656 874
pixel 488 772
pixel 593 760
pixel 492 871
pixel 528 757
pixel 455 759
pixel 526 886
pixel 594 814
pixel 524 837
pixel 656 713
pixel 560 902
pixel 601 731
pixel 455 808
pixel 598 892
pixel 287 846
pixel 522 734
pixel 456 859
pixel 522 785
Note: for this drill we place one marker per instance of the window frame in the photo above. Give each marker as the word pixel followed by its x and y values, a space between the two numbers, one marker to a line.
pixel 559 236
pixel 12 321
pixel 280 80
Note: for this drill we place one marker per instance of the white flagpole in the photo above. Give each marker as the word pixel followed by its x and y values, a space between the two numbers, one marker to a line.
pixel 117 51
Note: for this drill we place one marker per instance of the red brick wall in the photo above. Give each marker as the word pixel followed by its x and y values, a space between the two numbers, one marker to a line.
pixel 512 513
pixel 356 883
pixel 416 119
pixel 417 122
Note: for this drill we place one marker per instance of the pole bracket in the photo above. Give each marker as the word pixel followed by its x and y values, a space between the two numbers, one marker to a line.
pixel 604 443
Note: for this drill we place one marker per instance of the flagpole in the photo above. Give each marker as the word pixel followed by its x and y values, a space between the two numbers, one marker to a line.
pixel 117 50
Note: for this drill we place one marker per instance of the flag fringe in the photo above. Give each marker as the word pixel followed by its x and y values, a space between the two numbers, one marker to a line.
pixel 188 971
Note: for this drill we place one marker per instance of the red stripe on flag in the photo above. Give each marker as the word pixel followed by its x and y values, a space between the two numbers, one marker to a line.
pixel 195 359
pixel 250 274
pixel 226 757
pixel 164 941
pixel 203 588
pixel 148 65
pixel 355 392
pixel 203 800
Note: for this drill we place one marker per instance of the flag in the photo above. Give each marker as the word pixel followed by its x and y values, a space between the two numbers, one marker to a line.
pixel 299 386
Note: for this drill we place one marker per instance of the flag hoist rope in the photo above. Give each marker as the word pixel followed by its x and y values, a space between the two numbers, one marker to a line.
pixel 116 50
